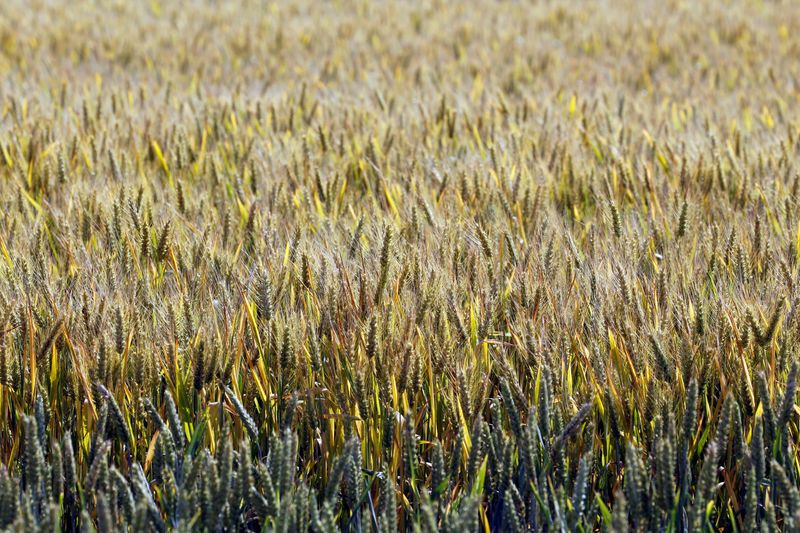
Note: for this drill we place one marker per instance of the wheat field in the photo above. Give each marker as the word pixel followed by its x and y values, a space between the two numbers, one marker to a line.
pixel 399 266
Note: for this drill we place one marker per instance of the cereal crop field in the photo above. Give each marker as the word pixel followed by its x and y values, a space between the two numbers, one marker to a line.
pixel 391 266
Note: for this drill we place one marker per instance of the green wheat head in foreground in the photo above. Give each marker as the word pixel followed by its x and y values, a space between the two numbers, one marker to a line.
pixel 399 266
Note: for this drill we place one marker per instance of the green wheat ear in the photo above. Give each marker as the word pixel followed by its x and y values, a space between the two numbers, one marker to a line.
pixel 247 420
pixel 384 264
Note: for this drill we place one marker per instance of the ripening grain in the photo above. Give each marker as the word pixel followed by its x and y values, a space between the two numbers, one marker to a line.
pixel 399 266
